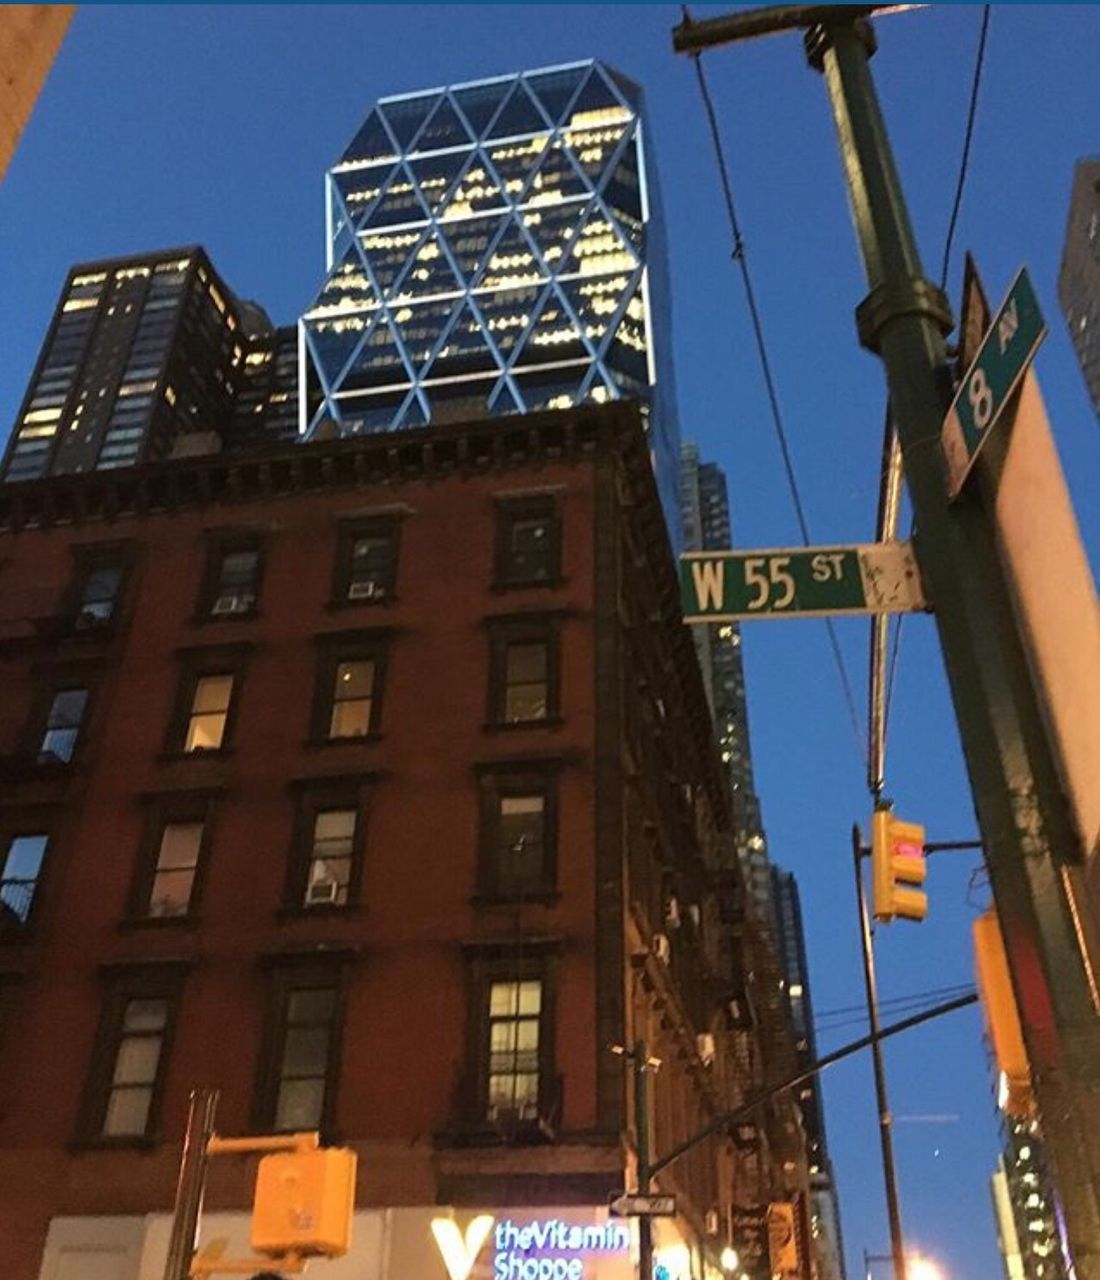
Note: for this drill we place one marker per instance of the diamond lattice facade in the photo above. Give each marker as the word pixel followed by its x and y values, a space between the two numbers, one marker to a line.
pixel 494 248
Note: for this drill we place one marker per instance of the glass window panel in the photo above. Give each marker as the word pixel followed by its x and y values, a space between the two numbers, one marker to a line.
pixel 526 661
pixel 371 566
pixel 334 828
pixel 355 679
pixel 305 1051
pixel 127 1111
pixel 171 893
pixel 350 719
pixel 24 858
pixel 555 89
pixel 299 1105
pixel 371 142
pixel 502 1037
pixel 479 103
pixel 469 241
pixel 101 591
pixel 518 115
pixel 137 1060
pixel 212 693
pixel 179 845
pixel 406 115
pixel 145 1015
pixel 310 1005
pixel 530 997
pixel 503 999
pixel 444 129
pixel 205 732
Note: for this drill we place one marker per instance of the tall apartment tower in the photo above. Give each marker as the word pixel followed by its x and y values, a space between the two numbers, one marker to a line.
pixel 825 1205
pixel 705 512
pixel 1079 277
pixel 495 248
pixel 148 356
pixel 1026 1207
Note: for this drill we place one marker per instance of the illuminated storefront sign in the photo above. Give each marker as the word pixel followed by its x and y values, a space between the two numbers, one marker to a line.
pixel 540 1249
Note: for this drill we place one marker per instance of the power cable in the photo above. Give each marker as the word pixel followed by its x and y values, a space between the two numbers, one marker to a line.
pixel 933 993
pixel 880 700
pixel 741 258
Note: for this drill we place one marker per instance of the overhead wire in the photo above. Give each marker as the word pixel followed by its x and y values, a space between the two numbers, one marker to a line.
pixel 740 257
pixel 880 700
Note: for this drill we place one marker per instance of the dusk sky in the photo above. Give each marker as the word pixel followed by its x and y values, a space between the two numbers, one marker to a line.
pixel 184 125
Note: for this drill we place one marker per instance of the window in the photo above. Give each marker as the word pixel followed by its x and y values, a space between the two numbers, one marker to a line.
pixel 366 568
pixel 126 1079
pixel 300 1063
pixel 175 870
pixel 515 1009
pixel 234 581
pixel 136 1067
pixel 352 699
pixel 350 673
pixel 209 714
pixel 63 722
pixel 330 857
pixel 528 541
pixel 519 831
pixel 524 671
pixel 19 876
pixel 97 587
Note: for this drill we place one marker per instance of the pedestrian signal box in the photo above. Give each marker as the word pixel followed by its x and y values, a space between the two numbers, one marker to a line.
pixel 304 1202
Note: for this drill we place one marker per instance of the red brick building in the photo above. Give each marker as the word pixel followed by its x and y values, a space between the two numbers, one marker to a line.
pixel 370 782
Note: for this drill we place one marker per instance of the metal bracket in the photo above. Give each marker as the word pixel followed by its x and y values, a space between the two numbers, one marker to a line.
pixel 886 302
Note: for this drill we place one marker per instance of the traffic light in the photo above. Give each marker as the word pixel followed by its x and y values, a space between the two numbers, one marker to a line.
pixel 304 1202
pixel 1002 1017
pixel 897 864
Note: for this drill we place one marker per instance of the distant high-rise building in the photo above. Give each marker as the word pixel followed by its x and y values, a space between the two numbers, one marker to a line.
pixel 495 248
pixel 147 356
pixel 1079 277
pixel 791 941
pixel 705 513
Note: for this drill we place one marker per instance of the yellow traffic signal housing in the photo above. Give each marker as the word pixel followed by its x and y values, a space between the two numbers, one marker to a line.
pixel 897 864
pixel 1002 1016
pixel 304 1202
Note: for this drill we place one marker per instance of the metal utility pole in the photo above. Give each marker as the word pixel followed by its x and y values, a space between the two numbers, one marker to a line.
pixel 639 1061
pixel 1025 824
pixel 192 1180
pixel 885 1121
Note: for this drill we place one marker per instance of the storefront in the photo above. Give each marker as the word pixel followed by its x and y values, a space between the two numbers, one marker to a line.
pixel 420 1243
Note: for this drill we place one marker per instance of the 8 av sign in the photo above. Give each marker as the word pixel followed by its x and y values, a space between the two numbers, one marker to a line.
pixel 1001 362
pixel 720 586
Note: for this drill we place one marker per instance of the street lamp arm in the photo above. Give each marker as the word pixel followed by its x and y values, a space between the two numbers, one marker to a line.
pixel 845 1051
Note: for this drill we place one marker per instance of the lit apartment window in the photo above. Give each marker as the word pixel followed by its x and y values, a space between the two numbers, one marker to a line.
pixel 19 876
pixel 209 713
pixel 174 873
pixel 332 848
pixel 526 685
pixel 352 699
pixel 63 722
pixel 514 1025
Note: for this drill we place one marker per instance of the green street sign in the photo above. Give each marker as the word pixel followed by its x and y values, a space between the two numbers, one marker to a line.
pixel 723 586
pixel 1002 360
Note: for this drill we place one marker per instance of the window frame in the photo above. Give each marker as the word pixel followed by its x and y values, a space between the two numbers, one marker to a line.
pixel 196 664
pixel 87 558
pixel 522 629
pixel 221 543
pixel 510 510
pixel 487 964
pixel 333 649
pixel 496 782
pixel 349 531
pixel 286 974
pixel 311 797
pixel 163 810
pixel 124 983
pixel 57 686
pixel 33 823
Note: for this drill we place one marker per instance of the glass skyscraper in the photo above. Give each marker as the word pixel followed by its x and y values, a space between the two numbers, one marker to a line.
pixel 494 248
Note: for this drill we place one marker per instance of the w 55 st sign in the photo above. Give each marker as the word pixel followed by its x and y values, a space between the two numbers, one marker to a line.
pixel 721 586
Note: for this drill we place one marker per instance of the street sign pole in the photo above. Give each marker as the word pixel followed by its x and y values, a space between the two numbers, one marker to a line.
pixel 1025 824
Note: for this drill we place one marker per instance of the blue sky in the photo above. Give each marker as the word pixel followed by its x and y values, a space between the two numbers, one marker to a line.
pixel 176 125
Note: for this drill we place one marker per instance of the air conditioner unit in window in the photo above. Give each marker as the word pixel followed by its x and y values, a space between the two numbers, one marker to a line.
pixel 232 604
pixel 323 891
pixel 662 948
pixel 367 589
pixel 704 1046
